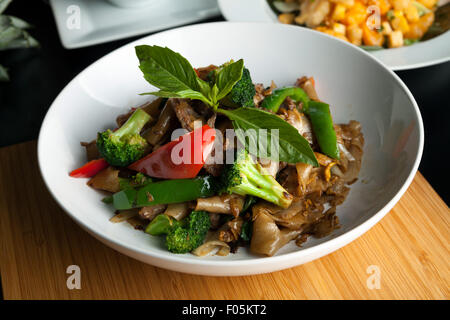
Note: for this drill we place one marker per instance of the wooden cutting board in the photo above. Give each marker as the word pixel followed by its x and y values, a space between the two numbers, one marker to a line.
pixel 408 251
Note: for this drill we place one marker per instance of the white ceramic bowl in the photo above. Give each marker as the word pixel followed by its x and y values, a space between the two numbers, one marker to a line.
pixel 355 84
pixel 422 54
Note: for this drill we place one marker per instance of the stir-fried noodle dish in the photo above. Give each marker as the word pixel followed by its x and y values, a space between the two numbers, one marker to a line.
pixel 214 162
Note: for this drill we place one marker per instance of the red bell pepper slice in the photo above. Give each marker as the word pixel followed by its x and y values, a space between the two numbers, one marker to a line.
pixel 179 159
pixel 90 169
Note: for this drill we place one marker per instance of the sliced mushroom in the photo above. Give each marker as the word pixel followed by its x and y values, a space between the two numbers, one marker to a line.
pixel 227 204
pixel 91 150
pixel 212 245
pixel 231 230
pixel 107 179
pixel 177 210
pixel 150 212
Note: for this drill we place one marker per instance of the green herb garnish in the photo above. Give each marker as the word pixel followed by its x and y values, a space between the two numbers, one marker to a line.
pixel 293 147
pixel 176 78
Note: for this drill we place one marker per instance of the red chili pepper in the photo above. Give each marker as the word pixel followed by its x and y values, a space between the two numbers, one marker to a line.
pixel 179 159
pixel 90 169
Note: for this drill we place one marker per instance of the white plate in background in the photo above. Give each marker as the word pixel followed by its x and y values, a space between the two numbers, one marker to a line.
pixel 421 54
pixel 101 21
pixel 356 86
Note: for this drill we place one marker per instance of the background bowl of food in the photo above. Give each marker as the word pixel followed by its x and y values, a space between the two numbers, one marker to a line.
pixel 417 29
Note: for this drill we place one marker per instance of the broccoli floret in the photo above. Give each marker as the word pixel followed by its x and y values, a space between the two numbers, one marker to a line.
pixel 178 241
pixel 161 224
pixel 242 93
pixel 136 181
pixel 125 145
pixel 187 236
pixel 245 177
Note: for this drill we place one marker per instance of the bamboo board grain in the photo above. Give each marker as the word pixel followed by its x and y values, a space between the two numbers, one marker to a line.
pixel 410 246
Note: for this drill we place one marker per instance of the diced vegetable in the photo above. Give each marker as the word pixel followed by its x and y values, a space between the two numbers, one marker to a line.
pixel 395 39
pixel 339 28
pixel 372 37
pixel 412 13
pixel 354 34
pixel 399 23
pixel 339 12
pixel 386 28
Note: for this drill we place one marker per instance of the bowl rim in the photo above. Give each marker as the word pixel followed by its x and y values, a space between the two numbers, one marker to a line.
pixel 326 247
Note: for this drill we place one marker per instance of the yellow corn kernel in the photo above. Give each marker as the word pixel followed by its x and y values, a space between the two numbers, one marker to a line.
pixel 428 3
pixel 412 14
pixel 338 12
pixel 395 39
pixel 401 4
pixel 354 34
pixel 386 28
pixel 400 24
pixel 339 28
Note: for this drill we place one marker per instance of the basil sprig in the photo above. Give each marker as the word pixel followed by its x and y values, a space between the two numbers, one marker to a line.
pixel 176 78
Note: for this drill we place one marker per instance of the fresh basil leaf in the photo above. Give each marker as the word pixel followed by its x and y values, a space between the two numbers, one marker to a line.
pixel 228 76
pixel 293 147
pixel 204 88
pixel 171 73
pixel 213 93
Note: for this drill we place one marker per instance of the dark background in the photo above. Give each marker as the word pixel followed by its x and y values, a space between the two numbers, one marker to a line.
pixel 38 75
